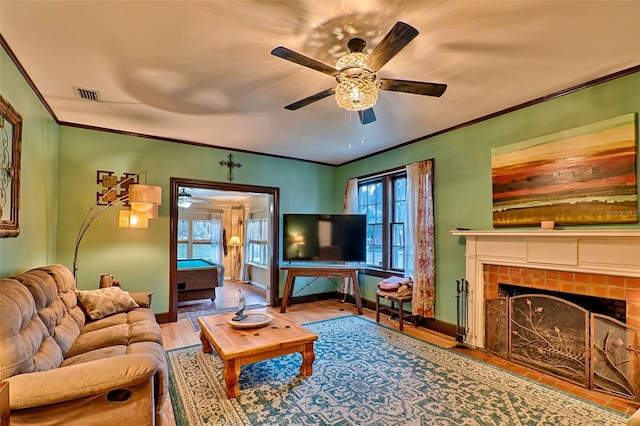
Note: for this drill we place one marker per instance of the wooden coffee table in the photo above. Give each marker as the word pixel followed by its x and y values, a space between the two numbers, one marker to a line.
pixel 240 347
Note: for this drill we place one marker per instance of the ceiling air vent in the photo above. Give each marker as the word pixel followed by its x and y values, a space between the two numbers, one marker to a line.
pixel 90 95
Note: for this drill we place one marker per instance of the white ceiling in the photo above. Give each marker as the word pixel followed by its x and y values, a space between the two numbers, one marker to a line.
pixel 213 196
pixel 202 72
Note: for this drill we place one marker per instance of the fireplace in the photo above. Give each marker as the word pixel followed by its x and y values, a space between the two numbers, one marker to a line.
pixel 616 309
pixel 553 269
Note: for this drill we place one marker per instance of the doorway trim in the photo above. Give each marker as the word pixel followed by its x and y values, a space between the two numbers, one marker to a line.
pixel 175 184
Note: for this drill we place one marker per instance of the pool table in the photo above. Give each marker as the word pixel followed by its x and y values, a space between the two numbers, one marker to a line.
pixel 198 279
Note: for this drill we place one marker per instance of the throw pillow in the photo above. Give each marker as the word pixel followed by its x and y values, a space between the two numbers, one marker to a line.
pixel 105 301
pixel 143 299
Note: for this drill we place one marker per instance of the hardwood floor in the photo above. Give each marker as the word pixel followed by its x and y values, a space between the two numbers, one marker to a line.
pixel 226 297
pixel 181 334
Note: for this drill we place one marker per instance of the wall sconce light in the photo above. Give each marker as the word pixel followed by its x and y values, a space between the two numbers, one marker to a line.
pixel 144 200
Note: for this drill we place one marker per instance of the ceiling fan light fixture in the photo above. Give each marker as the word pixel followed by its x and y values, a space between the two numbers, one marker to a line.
pixel 356 94
pixel 351 60
pixel 184 199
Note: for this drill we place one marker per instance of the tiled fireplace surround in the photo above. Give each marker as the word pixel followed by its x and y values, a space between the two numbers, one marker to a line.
pixel 593 263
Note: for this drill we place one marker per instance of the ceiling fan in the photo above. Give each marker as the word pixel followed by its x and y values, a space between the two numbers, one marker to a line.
pixel 355 72
pixel 185 199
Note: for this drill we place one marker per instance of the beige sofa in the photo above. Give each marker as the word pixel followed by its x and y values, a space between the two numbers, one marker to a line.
pixel 64 368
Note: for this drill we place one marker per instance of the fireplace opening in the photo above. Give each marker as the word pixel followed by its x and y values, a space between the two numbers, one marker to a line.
pixel 612 308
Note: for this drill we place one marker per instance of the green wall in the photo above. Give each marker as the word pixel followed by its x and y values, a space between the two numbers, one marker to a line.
pixel 463 169
pixel 139 258
pixel 35 245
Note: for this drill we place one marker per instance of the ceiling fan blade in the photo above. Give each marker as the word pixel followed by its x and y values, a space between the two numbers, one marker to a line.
pixel 290 55
pixel 200 201
pixel 311 99
pixel 415 87
pixel 367 116
pixel 392 43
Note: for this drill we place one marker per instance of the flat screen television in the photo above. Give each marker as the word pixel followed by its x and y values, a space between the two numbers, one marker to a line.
pixel 324 237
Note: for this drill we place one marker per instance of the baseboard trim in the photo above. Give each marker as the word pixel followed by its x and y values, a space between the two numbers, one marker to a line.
pixel 439 326
pixel 162 317
pixel 316 297
pixel 436 325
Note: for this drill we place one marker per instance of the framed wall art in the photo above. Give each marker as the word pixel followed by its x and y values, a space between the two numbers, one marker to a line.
pixel 580 176
pixel 10 148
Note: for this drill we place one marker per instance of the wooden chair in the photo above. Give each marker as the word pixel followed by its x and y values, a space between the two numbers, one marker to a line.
pixel 399 311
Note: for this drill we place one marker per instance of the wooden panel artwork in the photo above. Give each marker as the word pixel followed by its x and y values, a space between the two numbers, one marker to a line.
pixel 584 175
pixel 108 180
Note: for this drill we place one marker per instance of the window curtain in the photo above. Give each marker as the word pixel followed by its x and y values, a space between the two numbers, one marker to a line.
pixel 350 207
pixel 351 197
pixel 420 262
pixel 244 272
pixel 216 238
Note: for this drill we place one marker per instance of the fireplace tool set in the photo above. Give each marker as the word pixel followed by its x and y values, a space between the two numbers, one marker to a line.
pixel 462 290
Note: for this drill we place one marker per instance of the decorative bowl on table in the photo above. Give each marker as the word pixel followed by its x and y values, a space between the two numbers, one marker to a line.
pixel 251 320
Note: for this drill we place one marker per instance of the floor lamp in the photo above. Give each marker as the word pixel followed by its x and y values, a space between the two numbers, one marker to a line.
pixel 234 243
pixel 143 200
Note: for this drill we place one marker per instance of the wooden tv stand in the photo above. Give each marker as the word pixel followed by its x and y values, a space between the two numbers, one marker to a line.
pixel 320 271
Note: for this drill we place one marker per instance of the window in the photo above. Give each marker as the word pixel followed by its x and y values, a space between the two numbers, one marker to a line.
pixel 201 247
pixel 258 233
pixel 183 239
pixel 383 201
pixel 198 237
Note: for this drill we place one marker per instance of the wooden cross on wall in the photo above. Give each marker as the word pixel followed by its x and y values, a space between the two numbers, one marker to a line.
pixel 231 165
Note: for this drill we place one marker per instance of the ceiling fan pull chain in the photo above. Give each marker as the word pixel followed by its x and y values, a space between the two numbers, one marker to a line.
pixel 350 129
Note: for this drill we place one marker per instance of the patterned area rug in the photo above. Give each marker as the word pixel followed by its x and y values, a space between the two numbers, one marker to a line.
pixel 193 316
pixel 367 374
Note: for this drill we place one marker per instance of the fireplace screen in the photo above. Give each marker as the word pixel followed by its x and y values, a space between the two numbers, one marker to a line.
pixel 550 334
pixel 496 330
pixel 615 357
pixel 561 338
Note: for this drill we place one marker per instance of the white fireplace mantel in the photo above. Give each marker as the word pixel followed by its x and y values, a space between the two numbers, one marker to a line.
pixel 550 232
pixel 609 252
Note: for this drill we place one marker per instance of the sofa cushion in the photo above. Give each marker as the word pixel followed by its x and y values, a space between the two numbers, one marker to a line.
pixel 53 290
pixel 21 329
pixel 102 353
pixel 124 329
pixel 105 301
